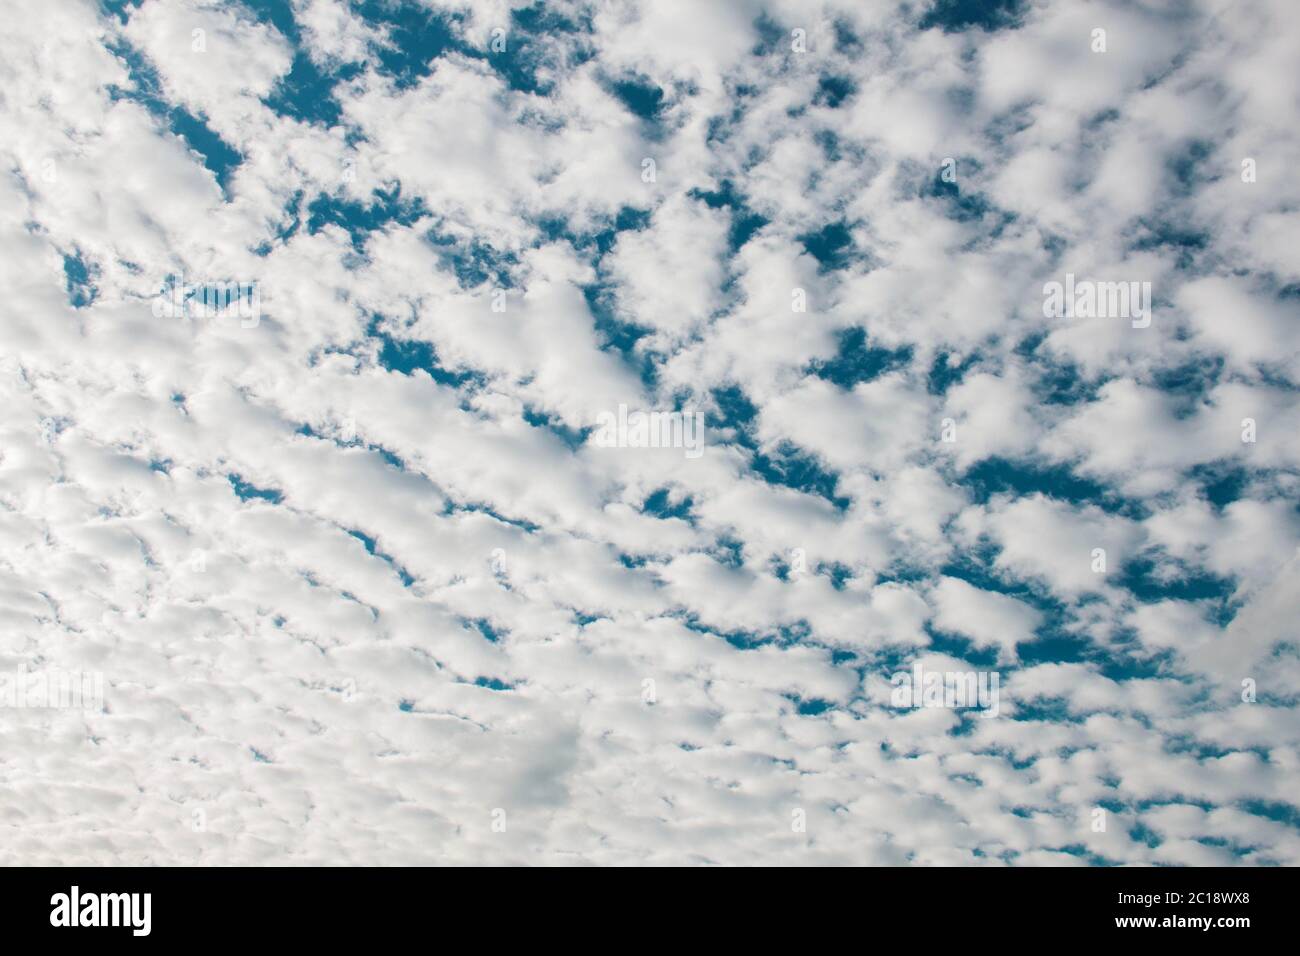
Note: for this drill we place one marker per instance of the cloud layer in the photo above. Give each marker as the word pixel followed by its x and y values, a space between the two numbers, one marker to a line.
pixel 364 588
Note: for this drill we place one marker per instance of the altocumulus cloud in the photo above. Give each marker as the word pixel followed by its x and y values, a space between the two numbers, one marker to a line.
pixel 986 313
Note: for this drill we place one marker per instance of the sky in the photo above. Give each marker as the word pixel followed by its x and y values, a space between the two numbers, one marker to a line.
pixel 563 433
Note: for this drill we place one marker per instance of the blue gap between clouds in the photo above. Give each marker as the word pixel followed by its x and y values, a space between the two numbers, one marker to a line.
pixel 416 36
pixel 965 207
pixel 744 221
pixel 369 544
pixel 246 491
pixel 809 706
pixel 944 374
pixel 472 261
pixel 525 56
pixel 659 504
pixel 484 628
pixel 289 225
pixel 747 640
pixel 218 156
pixel 616 333
pixel 1053 642
pixel 1221 482
pixel 955 16
pixel 855 361
pixel 833 90
pixel 831 246
pixel 1139 577
pixel 522 524
pixel 830 145
pixel 787 466
pixel 306 92
pixel 1189 385
pixel 997 475
pixel 77 275
pixel 640 96
pixel 1057 383
pixel 1187 170
pixel 493 683
pixel 388 457
pixel 407 356
pixel 572 438
pixel 838 574
pixel 1186 244
pixel 359 219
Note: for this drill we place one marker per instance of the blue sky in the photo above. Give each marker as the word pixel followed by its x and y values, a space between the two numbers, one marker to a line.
pixel 360 568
